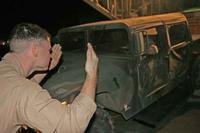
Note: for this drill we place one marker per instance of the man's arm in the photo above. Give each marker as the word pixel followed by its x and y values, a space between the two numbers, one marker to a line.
pixel 91 68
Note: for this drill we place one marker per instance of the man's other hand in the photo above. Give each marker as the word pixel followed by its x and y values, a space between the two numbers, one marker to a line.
pixel 91 65
pixel 55 56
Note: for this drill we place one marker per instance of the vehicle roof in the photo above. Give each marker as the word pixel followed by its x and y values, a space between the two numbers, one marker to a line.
pixel 138 21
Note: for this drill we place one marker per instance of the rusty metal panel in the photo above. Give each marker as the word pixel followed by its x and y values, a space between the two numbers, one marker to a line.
pixel 146 20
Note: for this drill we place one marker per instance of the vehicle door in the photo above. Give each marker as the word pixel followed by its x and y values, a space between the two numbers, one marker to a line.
pixel 153 66
pixel 115 84
pixel 179 38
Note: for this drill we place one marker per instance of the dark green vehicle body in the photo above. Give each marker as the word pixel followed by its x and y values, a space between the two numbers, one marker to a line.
pixel 140 60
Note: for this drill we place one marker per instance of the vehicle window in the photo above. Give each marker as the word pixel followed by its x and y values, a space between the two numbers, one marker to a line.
pixel 178 33
pixel 113 41
pixel 154 35
pixel 72 41
pixel 148 37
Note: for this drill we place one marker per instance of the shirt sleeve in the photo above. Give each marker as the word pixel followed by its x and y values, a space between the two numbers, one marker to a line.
pixel 38 110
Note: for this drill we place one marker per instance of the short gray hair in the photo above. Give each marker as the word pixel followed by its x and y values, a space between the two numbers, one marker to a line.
pixel 25 32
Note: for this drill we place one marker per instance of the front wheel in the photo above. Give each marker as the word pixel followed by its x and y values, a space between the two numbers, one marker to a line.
pixel 101 122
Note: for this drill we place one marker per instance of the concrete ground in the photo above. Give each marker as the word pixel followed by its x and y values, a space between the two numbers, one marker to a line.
pixel 189 120
pixel 179 112
pixel 186 123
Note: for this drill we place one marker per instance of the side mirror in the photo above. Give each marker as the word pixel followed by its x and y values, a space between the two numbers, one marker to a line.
pixel 152 50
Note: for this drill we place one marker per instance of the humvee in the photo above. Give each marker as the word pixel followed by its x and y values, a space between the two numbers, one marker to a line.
pixel 140 60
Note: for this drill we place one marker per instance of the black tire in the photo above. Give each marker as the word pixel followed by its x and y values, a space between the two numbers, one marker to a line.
pixel 101 122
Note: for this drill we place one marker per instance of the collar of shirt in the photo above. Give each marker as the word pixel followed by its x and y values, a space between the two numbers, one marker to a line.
pixel 12 59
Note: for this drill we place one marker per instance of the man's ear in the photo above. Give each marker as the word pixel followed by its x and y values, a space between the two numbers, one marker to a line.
pixel 34 49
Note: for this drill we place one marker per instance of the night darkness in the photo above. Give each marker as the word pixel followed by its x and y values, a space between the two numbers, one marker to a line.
pixel 51 15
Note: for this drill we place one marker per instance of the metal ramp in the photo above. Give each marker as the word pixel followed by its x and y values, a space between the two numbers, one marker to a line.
pixel 119 9
pixel 113 9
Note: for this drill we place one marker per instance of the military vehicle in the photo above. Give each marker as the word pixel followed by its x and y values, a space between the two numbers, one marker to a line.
pixel 140 60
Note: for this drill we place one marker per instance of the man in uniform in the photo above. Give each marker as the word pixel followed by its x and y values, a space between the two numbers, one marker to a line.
pixel 24 102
